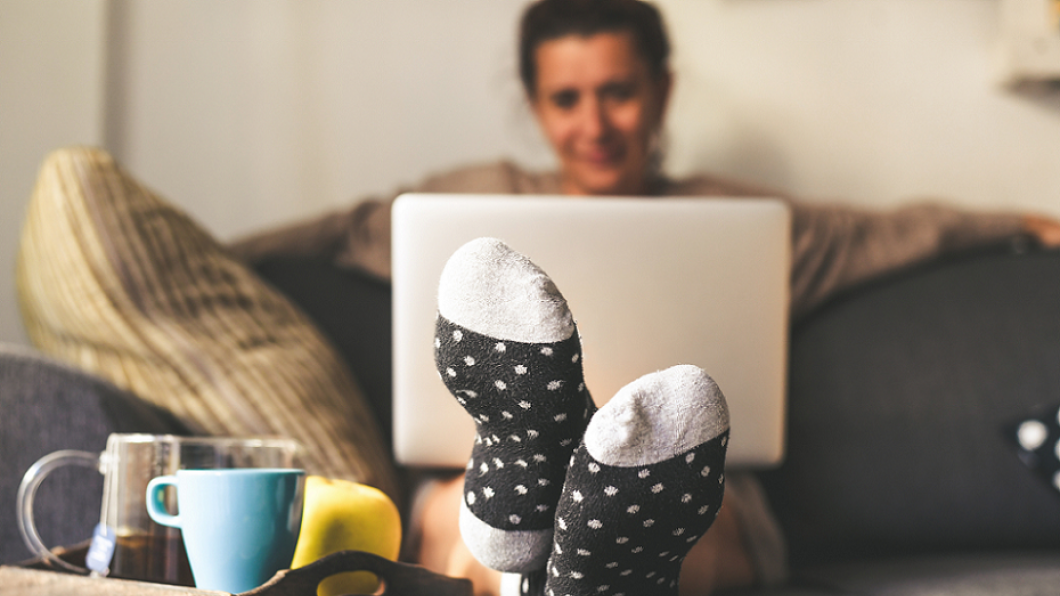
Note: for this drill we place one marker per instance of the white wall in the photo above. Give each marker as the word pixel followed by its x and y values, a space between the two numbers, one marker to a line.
pixel 254 112
pixel 868 101
pixel 51 94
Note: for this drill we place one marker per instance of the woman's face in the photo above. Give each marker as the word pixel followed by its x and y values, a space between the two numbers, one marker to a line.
pixel 599 107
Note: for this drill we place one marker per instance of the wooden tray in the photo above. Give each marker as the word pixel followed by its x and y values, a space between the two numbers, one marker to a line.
pixel 399 579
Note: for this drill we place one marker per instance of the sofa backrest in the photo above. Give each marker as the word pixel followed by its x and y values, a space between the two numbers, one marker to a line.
pixel 900 397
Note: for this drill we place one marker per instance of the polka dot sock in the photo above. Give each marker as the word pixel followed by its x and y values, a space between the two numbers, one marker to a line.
pixel 642 487
pixel 507 349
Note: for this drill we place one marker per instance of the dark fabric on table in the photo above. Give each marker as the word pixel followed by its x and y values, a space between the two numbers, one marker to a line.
pixel 900 393
pixel 46 406
pixel 352 309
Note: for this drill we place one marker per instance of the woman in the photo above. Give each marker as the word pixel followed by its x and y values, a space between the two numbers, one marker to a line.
pixel 596 75
pixel 604 129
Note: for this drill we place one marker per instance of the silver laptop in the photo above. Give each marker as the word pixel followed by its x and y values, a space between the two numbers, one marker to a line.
pixel 651 283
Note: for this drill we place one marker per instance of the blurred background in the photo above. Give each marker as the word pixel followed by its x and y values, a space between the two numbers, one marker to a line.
pixel 252 113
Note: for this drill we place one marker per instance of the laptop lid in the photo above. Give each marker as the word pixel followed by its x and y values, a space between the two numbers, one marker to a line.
pixel 651 283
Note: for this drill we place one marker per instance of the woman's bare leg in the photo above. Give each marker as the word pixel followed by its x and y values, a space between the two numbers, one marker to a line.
pixel 719 560
pixel 441 548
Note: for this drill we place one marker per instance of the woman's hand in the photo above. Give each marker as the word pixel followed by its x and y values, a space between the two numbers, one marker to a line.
pixel 1045 230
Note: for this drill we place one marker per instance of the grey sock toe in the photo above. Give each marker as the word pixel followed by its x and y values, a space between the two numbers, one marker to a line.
pixel 657 417
pixel 489 288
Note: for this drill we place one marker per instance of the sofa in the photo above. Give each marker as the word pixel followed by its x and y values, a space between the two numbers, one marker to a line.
pixel 903 472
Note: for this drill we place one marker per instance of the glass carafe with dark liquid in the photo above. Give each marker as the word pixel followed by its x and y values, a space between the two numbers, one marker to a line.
pixel 127 543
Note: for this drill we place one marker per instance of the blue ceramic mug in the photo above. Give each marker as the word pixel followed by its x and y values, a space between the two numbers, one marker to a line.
pixel 240 526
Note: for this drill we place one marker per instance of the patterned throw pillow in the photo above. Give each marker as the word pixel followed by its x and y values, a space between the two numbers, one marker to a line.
pixel 116 281
pixel 1038 444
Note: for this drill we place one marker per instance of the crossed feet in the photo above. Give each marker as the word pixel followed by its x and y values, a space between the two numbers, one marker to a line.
pixel 573 500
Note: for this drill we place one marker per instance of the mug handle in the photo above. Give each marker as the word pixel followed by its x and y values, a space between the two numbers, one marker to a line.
pixel 156 507
pixel 27 490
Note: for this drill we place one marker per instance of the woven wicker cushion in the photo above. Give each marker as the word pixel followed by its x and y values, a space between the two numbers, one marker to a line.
pixel 115 280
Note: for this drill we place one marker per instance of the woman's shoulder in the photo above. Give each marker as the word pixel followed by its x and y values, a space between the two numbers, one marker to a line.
pixel 501 177
pixel 506 177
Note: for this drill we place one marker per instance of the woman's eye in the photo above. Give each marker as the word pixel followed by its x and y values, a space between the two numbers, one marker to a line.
pixel 619 91
pixel 565 99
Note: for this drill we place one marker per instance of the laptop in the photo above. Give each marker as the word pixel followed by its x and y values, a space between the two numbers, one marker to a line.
pixel 652 282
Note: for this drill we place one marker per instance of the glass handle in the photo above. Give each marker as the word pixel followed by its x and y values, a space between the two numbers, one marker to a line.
pixel 31 481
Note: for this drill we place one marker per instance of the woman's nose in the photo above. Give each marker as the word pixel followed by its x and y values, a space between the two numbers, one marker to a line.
pixel 595 122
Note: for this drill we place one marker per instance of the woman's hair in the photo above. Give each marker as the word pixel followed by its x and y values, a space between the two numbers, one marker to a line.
pixel 545 20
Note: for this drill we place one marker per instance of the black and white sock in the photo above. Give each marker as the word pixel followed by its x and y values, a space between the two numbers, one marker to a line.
pixel 507 348
pixel 644 485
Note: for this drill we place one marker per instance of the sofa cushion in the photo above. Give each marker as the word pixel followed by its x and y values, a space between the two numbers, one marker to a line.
pixel 117 281
pixel 899 397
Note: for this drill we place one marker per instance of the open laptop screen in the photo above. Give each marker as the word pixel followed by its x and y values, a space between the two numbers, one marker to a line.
pixel 651 283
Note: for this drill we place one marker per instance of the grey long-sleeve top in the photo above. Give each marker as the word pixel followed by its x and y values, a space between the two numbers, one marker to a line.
pixel 833 247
